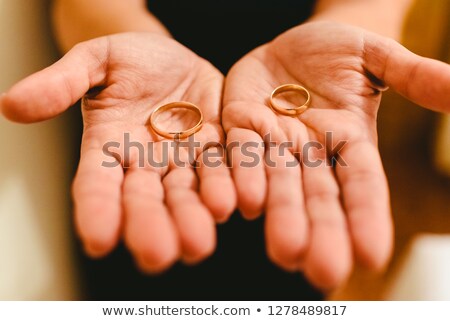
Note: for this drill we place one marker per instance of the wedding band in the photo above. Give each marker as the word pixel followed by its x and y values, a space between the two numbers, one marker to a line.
pixel 290 111
pixel 181 134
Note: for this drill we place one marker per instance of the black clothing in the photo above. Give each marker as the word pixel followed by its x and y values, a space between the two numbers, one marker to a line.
pixel 222 32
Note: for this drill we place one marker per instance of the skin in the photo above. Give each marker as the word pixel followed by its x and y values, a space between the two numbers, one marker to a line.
pixel 76 21
pixel 163 214
pixel 319 220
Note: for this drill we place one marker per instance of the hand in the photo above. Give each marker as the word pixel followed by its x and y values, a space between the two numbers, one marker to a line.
pixel 318 218
pixel 163 213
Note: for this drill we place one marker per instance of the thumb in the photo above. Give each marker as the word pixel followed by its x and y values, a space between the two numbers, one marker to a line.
pixel 423 81
pixel 54 89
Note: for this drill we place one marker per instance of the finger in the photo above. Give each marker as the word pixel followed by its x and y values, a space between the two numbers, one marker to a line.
pixel 216 185
pixel 286 224
pixel 97 201
pixel 246 154
pixel 424 81
pixel 194 222
pixel 328 261
pixel 366 200
pixel 150 232
pixel 51 91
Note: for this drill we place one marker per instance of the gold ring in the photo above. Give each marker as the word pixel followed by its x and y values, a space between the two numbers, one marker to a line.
pixel 181 134
pixel 290 111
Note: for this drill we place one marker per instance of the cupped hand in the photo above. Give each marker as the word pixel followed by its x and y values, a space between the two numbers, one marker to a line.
pixel 161 205
pixel 326 201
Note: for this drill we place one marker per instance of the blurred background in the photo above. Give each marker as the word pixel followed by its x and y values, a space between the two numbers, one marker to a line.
pixel 415 147
pixel 36 165
pixel 38 254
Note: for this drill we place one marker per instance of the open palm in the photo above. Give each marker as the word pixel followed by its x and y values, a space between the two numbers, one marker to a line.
pixel 319 217
pixel 164 211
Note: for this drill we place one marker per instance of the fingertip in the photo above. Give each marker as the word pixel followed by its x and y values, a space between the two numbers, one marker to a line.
pixel 8 109
pixel 279 260
pixel 19 107
pixel 149 265
pixel 251 199
pixel 155 250
pixel 200 253
pixel 286 250
pixel 194 222
pixel 222 214
pixel 199 245
pixel 222 203
pixel 223 218
pixel 373 243
pixel 97 251
pixel 328 271
pixel 250 214
pixel 329 259
pixel 248 172
pixel 99 232
pixel 27 109
pixel 375 258
pixel 155 254
pixel 99 237
pixel 96 244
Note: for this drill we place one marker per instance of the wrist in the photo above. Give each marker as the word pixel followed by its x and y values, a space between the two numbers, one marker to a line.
pixel 77 21
pixel 380 16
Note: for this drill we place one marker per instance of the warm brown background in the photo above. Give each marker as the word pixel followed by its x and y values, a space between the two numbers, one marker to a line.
pixel 420 194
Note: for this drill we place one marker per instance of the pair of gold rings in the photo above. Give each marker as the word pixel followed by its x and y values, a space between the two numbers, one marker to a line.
pixel 189 106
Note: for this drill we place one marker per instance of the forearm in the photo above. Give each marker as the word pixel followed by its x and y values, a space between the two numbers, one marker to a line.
pixel 385 17
pixel 78 20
